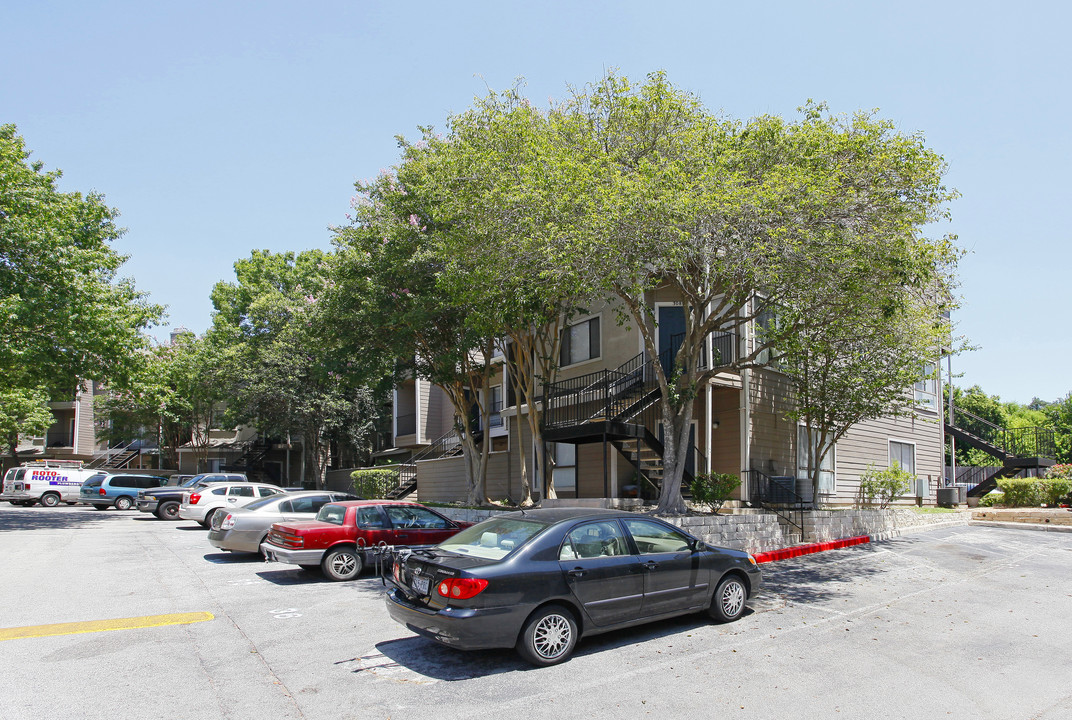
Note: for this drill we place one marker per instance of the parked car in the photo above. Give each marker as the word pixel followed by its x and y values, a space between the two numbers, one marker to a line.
pixel 165 502
pixel 48 482
pixel 244 529
pixel 105 490
pixel 201 503
pixel 540 580
pixel 338 539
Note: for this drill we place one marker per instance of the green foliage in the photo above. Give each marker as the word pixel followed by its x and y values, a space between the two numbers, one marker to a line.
pixel 23 412
pixel 1020 492
pixel 1063 471
pixel 992 499
pixel 1054 491
pixel 373 482
pixel 64 315
pixel 884 486
pixel 714 489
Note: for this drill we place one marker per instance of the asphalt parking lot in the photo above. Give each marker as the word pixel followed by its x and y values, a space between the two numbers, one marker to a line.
pixel 962 622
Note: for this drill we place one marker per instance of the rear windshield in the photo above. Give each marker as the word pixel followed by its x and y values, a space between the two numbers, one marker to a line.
pixel 334 514
pixel 261 503
pixel 495 538
pixel 94 481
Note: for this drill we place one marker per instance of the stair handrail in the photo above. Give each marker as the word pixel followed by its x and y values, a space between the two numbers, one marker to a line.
pixel 760 483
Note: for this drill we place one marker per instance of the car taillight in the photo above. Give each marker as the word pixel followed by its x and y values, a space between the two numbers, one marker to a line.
pixel 195 498
pixel 461 588
pixel 228 522
pixel 102 491
pixel 397 572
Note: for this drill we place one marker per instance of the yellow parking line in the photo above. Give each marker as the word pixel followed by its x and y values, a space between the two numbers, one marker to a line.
pixel 92 626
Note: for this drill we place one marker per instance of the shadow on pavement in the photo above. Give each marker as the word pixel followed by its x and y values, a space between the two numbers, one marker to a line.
pixel 426 657
pixel 56 518
pixel 820 577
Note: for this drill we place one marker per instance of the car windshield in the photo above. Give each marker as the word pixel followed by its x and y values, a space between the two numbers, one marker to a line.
pixel 494 539
pixel 193 481
pixel 94 481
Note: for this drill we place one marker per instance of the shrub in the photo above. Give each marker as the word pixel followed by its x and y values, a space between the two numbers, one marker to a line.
pixel 1020 492
pixel 714 489
pixel 1054 490
pixel 374 483
pixel 991 499
pixel 884 485
pixel 1060 472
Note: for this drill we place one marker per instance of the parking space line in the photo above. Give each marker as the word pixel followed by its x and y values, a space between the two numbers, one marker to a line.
pixel 92 626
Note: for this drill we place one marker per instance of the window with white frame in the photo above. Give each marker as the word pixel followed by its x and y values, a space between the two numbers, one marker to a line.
pixel 565 470
pixel 495 418
pixel 580 342
pixel 826 467
pixel 926 390
pixel 904 454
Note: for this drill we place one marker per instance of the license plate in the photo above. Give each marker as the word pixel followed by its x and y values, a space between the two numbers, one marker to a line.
pixel 420 584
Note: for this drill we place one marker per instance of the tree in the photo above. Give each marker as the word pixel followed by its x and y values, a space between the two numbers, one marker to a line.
pixel 23 411
pixel 64 316
pixel 284 372
pixel 741 217
pixel 391 296
pixel 171 400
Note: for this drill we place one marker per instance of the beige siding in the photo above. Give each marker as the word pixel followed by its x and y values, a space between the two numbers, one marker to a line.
pixel 868 443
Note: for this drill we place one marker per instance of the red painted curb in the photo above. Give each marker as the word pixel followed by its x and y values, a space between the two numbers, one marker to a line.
pixel 799 550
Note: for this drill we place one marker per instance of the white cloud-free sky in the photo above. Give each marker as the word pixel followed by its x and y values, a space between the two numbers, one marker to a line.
pixel 220 127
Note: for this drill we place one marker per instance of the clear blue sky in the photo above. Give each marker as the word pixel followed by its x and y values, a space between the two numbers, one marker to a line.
pixel 220 127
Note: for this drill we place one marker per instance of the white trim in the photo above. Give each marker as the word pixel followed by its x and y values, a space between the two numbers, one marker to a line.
pixel 418 410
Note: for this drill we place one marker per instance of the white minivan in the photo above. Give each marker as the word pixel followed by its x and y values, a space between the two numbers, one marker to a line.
pixel 48 482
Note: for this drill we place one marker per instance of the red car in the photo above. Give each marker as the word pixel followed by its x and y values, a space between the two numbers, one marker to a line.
pixel 337 541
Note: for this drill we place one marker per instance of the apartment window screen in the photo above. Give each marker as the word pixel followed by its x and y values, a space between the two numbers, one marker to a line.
pixel 826 467
pixel 926 390
pixel 580 342
pixel 903 454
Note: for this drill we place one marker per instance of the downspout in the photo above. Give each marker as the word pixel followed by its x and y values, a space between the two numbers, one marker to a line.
pixel 746 413
pixel 708 400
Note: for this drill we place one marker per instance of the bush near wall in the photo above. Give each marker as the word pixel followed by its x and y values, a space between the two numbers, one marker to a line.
pixel 374 483
pixel 1032 492
pixel 713 489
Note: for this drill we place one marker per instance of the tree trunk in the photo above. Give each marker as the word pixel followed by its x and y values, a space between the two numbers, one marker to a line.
pixel 676 426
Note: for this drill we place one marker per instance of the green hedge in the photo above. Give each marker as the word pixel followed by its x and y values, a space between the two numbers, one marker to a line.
pixel 1032 492
pixel 374 483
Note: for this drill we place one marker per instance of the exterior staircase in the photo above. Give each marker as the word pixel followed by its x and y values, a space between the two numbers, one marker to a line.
pixel 251 463
pixel 446 446
pixel 621 407
pixel 113 458
pixel 1017 449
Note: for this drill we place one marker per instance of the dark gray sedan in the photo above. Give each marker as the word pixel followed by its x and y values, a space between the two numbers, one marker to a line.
pixel 541 579
pixel 243 529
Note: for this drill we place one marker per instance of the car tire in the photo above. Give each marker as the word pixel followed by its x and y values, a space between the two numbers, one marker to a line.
pixel 168 511
pixel 207 521
pixel 100 507
pixel 123 503
pixel 549 636
pixel 342 564
pixel 50 499
pixel 728 602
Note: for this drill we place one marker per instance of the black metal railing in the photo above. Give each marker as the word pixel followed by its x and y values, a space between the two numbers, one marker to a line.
pixel 779 495
pixel 624 393
pixel 1016 442
pixel 445 446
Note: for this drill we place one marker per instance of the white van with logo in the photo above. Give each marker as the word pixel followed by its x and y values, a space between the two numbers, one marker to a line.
pixel 48 482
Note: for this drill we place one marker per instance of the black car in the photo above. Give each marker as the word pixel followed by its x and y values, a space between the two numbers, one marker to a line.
pixel 164 502
pixel 539 580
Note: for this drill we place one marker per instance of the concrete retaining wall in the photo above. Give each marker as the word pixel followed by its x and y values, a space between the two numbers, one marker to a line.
pixel 754 531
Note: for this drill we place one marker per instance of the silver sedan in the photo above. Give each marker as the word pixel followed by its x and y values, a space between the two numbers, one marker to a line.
pixel 244 529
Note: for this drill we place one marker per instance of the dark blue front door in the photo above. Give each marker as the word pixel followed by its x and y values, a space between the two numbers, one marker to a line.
pixel 671 332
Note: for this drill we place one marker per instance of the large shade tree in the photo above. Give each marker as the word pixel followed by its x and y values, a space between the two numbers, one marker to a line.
pixel 65 316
